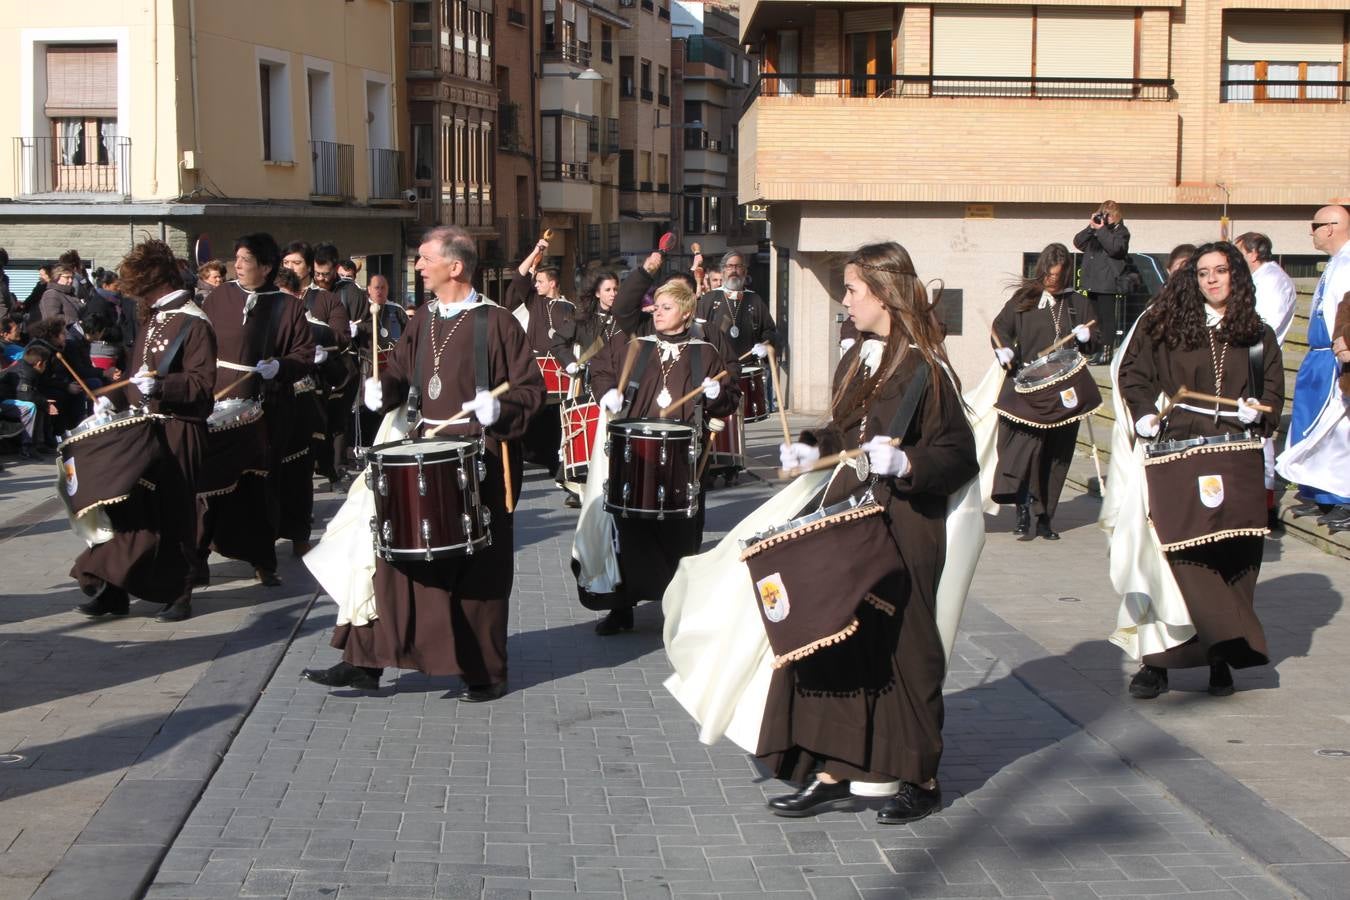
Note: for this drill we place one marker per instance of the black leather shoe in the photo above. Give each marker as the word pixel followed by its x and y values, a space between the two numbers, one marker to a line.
pixel 1339 525
pixel 1304 510
pixel 816 797
pixel 572 501
pixel 344 674
pixel 176 612
pixel 483 693
pixel 267 577
pixel 108 600
pixel 1023 518
pixel 1334 516
pixel 910 804
pixel 617 620
pixel 1148 682
pixel 1220 679
pixel 1043 529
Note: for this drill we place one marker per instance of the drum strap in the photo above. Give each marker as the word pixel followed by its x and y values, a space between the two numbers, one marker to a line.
pixel 267 347
pixel 909 404
pixel 1256 355
pixel 694 349
pixel 644 358
pixel 165 364
pixel 481 374
pixel 423 322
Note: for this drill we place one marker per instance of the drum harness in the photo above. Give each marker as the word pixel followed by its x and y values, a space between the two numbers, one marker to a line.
pixel 481 374
pixel 640 366
pixel 1255 365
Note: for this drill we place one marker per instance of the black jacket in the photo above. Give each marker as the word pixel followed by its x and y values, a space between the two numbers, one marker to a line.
pixel 20 382
pixel 1106 255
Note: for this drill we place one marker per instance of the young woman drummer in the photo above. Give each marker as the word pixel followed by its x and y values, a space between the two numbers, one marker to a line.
pixel 670 363
pixel 1033 462
pixel 1198 334
pixel 870 707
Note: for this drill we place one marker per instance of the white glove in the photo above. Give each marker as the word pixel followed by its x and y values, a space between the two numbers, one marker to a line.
pixel 144 382
pixel 1004 355
pixel 1082 334
pixel 797 455
pixel 352 326
pixel 886 459
pixel 320 355
pixel 1247 412
pixel 712 389
pixel 373 395
pixel 612 401
pixel 485 407
pixel 573 368
pixel 845 344
pixel 268 368
pixel 1148 426
pixel 103 406
pixel 761 350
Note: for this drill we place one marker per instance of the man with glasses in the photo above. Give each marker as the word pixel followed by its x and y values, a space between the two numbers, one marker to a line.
pixel 1317 457
pixel 741 316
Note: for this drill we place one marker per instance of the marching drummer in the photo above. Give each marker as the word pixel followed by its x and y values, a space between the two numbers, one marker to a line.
pixel 668 364
pixel 448 616
pixel 590 326
pixel 1202 332
pixel 869 708
pixel 740 314
pixel 375 333
pixel 153 556
pixel 1034 461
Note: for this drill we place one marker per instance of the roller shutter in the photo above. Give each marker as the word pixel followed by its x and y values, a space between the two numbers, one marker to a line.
pixel 990 41
pixel 1084 42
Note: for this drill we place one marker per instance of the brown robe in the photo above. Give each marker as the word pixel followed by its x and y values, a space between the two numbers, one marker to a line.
pixel 244 524
pixel 543 437
pixel 748 313
pixel 448 616
pixel 1342 331
pixel 152 553
pixel 870 707
pixel 338 379
pixel 1034 462
pixel 1217 580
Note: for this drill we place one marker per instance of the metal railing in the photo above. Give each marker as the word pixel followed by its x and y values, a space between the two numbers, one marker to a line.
pixel 663 99
pixel 332 169
pixel 701 140
pixel 593 135
pixel 515 17
pixel 647 94
pixel 76 165
pixel 573 51
pixel 612 238
pixel 593 233
pixel 699 49
pixel 884 87
pixel 611 135
pixel 556 170
pixel 508 127
pixel 386 174
pixel 1264 90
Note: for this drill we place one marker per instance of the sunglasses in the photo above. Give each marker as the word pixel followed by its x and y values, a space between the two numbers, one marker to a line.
pixel 1317 225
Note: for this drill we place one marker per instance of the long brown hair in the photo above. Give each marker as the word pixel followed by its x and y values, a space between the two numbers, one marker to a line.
pixel 1177 316
pixel 889 274
pixel 1028 291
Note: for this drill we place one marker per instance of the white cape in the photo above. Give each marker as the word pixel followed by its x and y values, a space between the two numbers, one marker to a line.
pixel 984 422
pixel 1153 614
pixel 593 548
pixel 343 562
pixel 1322 458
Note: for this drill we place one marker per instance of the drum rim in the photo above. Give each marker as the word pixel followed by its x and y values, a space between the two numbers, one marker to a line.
pixel 373 454
pixel 1031 386
pixel 1205 443
pixel 675 427
pixel 255 415
pixel 843 506
pixel 75 435
pixel 676 512
pixel 389 555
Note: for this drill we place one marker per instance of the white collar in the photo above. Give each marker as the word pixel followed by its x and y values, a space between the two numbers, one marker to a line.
pixel 450 310
pixel 871 353
pixel 169 298
pixel 1212 318
pixel 1047 300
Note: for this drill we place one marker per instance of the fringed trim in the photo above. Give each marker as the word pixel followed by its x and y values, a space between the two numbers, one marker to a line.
pixel 294 456
pixel 219 491
pixel 1225 447
pixel 145 483
pixel 1042 385
pixel 261 473
pixel 304 385
pixel 802 652
pixel 859 512
pixel 233 425
pixel 884 606
pixel 1215 538
pixel 318 436
pixel 109 502
pixel 109 426
pixel 1030 424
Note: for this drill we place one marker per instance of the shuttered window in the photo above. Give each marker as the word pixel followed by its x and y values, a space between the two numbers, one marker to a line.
pixel 81 81
pixel 882 18
pixel 1077 42
pixel 991 42
pixel 1283 57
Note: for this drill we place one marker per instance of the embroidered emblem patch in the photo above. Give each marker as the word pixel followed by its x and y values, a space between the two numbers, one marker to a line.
pixel 72 482
pixel 773 597
pixel 1069 397
pixel 1211 490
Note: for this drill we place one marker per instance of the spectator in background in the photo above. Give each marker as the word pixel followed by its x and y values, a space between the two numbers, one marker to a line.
pixel 80 280
pixel 7 300
pixel 21 395
pixel 11 341
pixel 30 302
pixel 1275 292
pixel 348 269
pixel 1178 258
pixel 210 275
pixel 59 299
pixel 327 277
pixel 1105 245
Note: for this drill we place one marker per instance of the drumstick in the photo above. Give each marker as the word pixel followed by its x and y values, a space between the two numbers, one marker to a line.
pixel 374 342
pixel 667 410
pixel 464 413
pixel 998 344
pixel 1187 394
pixel 715 426
pixel 109 388
pixel 1064 340
pixel 629 359
pixel 745 354
pixel 589 353
pixel 220 394
pixel 777 392
pixel 828 462
pixel 1096 463
pixel 506 476
pixel 75 375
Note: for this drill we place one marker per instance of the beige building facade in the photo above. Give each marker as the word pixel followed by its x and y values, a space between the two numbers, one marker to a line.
pixel 975 134
pixel 198 122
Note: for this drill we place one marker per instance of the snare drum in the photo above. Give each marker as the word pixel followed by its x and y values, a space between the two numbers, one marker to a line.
pixel 428 499
pixel 236 445
pixel 557 383
pixel 728 445
pixel 810 575
pixel 104 458
pixel 653 469
pixel 581 421
pixel 754 394
pixel 1055 390
pixel 1206 489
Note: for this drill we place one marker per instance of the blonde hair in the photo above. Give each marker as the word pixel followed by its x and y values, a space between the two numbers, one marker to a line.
pixel 678 290
pixel 1112 208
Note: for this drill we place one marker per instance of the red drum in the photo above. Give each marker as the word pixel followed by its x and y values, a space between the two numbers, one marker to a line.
pixel 428 499
pixel 754 394
pixel 236 445
pixel 1205 489
pixel 104 458
pixel 557 382
pixel 728 445
pixel 653 469
pixel 581 421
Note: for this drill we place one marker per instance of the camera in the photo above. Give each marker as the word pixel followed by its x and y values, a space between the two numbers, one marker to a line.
pixel 410 195
pixel 1098 219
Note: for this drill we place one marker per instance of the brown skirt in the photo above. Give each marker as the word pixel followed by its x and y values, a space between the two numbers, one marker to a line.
pixel 1033 464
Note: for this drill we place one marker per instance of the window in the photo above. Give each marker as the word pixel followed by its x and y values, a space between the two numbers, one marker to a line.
pixel 870 63
pixel 644 170
pixel 627 177
pixel 423 152
pixel 662 173
pixel 731 141
pixel 1281 57
pixel 663 85
pixel 702 214
pixel 274 102
pixel 322 126
pixel 646 81
pixel 782 55
pixel 565 140
pixel 626 87
pixel 745 70
pixel 606 44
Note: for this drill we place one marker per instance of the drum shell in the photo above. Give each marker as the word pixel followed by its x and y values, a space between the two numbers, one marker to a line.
pixel 581 423
pixel 102 465
pixel 754 394
pixel 235 447
pixel 1073 397
pixel 557 383
pixel 429 511
pixel 1207 494
pixel 653 465
pixel 728 445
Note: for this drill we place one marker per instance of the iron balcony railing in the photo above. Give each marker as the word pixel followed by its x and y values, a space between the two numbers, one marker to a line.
pixel 386 174
pixel 697 139
pixel 699 49
pixel 573 51
pixel 78 164
pixel 611 135
pixel 555 170
pixel 332 169
pixel 1264 90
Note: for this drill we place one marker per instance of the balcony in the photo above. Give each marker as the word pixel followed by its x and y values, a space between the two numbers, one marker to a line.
pixel 515 17
pixel 697 139
pixel 663 99
pixel 700 49
pixel 578 52
pixel 647 95
pixel 45 168
pixel 886 87
pixel 333 165
pixel 508 128
pixel 648 5
pixel 611 136
pixel 386 174
pixel 565 186
pixel 1266 90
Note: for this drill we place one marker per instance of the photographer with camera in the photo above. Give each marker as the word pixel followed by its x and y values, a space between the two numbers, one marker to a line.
pixel 1105 245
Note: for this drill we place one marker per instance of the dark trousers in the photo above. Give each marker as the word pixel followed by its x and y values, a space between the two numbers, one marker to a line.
pixel 1104 308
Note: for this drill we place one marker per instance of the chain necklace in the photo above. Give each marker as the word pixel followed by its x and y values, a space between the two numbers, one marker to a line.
pixel 437 348
pixel 664 397
pixel 1216 358
pixel 1057 315
pixel 735 305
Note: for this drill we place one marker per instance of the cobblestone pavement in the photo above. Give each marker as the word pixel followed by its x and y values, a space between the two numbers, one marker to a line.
pixel 587 779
